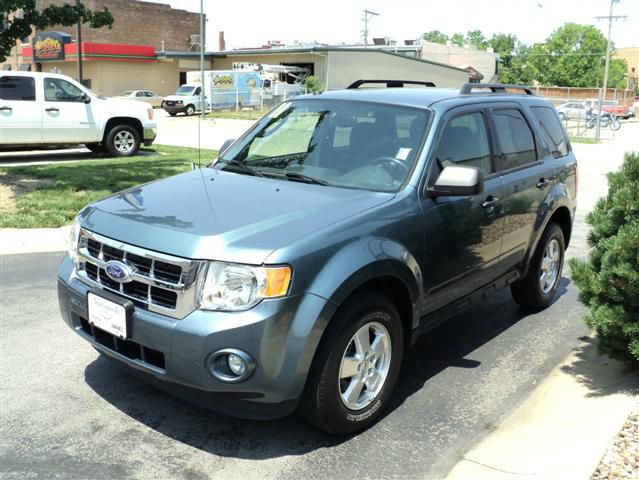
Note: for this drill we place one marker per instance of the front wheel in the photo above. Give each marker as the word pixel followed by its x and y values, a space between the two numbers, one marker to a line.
pixel 615 124
pixel 538 288
pixel 122 141
pixel 356 366
pixel 190 110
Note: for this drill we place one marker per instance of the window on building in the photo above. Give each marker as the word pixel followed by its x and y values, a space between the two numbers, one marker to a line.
pixel 515 139
pixel 17 88
pixel 552 130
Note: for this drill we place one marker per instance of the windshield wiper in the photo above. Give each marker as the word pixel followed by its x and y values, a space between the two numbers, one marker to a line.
pixel 243 166
pixel 297 177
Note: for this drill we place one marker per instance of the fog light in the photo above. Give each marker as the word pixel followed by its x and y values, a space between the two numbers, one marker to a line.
pixel 230 365
pixel 236 364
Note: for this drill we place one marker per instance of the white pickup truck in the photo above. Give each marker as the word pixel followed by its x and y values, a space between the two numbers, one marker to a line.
pixel 45 109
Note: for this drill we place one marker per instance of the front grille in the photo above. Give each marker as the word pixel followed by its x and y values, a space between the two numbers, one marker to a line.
pixel 161 283
pixel 129 349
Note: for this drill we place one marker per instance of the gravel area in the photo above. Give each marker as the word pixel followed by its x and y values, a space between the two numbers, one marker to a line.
pixel 621 461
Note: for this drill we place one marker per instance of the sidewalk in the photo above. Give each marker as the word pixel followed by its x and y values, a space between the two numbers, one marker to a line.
pixel 33 240
pixel 563 429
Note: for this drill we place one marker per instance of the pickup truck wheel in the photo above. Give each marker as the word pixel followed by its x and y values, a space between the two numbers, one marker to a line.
pixel 173 114
pixel 122 141
pixel 356 366
pixel 190 110
pixel 538 288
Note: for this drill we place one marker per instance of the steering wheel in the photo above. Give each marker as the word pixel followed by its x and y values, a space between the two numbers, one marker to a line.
pixel 391 161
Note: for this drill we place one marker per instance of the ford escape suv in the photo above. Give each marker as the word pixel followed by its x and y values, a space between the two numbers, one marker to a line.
pixel 292 272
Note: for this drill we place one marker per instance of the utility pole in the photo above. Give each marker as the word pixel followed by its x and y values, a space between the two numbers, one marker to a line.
pixel 202 44
pixel 78 44
pixel 604 89
pixel 367 16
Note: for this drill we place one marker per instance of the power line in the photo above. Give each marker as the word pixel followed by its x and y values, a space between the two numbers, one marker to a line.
pixel 367 16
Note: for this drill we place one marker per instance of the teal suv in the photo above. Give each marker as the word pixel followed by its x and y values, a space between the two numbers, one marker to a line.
pixel 292 272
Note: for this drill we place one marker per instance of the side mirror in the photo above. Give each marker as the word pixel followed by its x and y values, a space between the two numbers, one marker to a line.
pixel 458 181
pixel 85 98
pixel 225 146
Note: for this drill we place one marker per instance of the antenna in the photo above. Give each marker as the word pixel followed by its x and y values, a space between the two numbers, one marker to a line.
pixel 367 16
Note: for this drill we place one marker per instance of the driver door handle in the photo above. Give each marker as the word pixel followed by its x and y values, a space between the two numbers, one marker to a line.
pixel 5 108
pixel 52 109
pixel 544 182
pixel 490 201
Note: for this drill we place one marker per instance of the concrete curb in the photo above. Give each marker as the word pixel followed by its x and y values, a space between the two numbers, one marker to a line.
pixel 563 428
pixel 33 240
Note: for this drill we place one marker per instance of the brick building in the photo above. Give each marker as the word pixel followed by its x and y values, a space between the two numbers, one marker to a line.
pixel 125 56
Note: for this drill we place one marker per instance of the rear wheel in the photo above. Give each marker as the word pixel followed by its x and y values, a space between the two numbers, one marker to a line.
pixel 356 366
pixel 538 288
pixel 122 141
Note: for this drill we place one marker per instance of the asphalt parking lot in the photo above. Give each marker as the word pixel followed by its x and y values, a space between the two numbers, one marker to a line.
pixel 66 412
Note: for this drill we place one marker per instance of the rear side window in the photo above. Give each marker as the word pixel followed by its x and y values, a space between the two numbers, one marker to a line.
pixel 515 139
pixel 552 130
pixel 465 142
pixel 17 88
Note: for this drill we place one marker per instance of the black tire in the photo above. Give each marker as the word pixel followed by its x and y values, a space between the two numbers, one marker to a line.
pixel 122 141
pixel 528 292
pixel 95 147
pixel 173 114
pixel 189 110
pixel 322 405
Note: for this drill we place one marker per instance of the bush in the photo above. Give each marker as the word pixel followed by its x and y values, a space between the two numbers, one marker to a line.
pixel 313 84
pixel 609 280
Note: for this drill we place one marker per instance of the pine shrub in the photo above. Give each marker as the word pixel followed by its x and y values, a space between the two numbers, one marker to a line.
pixel 609 280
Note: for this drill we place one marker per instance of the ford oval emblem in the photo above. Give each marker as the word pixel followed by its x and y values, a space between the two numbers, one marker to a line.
pixel 118 271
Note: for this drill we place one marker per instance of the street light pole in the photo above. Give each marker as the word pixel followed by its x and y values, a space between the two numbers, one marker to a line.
pixel 78 44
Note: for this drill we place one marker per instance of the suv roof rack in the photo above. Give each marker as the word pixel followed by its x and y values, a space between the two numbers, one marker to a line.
pixel 468 88
pixel 390 83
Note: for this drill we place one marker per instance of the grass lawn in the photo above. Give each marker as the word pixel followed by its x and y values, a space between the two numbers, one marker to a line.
pixel 588 140
pixel 51 195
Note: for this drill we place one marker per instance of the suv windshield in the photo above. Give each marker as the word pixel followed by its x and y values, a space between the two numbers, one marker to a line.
pixel 339 143
pixel 185 91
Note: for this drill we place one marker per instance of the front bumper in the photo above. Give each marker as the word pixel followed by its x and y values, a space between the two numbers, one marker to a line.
pixel 281 335
pixel 149 135
pixel 174 108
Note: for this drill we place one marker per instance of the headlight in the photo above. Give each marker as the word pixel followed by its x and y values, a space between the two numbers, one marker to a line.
pixel 232 287
pixel 74 238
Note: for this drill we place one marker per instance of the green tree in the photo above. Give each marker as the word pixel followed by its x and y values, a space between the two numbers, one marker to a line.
pixel 617 73
pixel 570 57
pixel 458 39
pixel 609 281
pixel 477 39
pixel 20 16
pixel 435 36
pixel 518 69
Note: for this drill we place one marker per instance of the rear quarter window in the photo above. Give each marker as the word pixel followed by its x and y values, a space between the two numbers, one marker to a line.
pixel 552 130
pixel 17 88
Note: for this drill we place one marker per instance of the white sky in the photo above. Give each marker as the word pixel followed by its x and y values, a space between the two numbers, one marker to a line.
pixel 252 23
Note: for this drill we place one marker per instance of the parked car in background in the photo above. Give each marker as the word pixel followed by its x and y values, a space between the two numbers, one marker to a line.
pixel 47 109
pixel 292 273
pixel 612 106
pixel 144 96
pixel 574 111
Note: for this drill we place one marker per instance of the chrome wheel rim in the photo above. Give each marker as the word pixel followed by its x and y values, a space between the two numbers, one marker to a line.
pixel 365 366
pixel 124 141
pixel 550 264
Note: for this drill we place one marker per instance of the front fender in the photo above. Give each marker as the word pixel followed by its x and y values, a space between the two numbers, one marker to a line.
pixel 364 260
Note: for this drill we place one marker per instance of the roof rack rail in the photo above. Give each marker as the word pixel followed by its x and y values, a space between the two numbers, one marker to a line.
pixel 468 88
pixel 390 83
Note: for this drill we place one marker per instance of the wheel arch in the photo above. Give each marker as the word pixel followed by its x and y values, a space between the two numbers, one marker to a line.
pixel 130 121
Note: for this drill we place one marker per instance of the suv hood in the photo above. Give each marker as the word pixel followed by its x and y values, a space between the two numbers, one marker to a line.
pixel 217 215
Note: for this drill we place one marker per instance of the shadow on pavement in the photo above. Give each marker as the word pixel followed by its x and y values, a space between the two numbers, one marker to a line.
pixel 601 374
pixel 445 346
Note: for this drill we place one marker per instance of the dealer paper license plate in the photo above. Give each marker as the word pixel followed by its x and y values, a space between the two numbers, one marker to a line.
pixel 107 315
